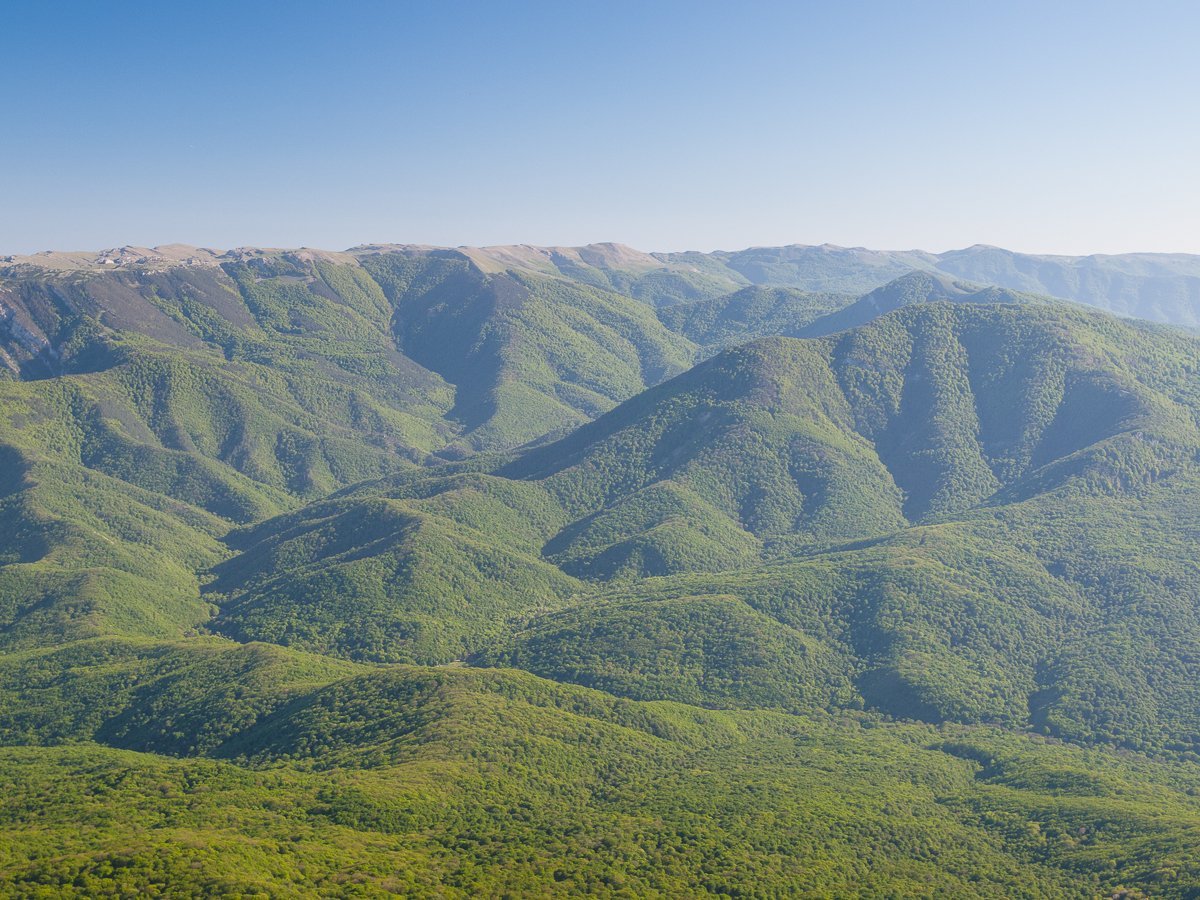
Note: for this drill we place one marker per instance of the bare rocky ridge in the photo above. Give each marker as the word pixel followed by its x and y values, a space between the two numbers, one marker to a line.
pixel 1162 287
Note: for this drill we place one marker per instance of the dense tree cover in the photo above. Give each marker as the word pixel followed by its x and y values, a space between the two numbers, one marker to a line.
pixel 991 462
pixel 381 580
pixel 703 650
pixel 187 400
pixel 750 313
pixel 904 607
pixel 436 782
pixel 529 354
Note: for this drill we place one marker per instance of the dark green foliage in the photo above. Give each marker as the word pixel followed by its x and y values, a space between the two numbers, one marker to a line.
pixel 178 699
pixel 383 580
pixel 529 354
pixel 701 650
pixel 817 615
pixel 658 530
pixel 750 313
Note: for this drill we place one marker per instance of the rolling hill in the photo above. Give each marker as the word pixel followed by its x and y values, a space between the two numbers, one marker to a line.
pixel 546 571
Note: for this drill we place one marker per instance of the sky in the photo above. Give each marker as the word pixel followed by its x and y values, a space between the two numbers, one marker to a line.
pixel 1048 127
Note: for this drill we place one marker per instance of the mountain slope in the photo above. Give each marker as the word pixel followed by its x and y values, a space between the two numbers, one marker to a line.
pixel 975 421
pixel 1161 287
pixel 1075 420
pixel 379 579
pixel 748 314
pixel 156 402
pixel 529 354
pixel 928 410
pixel 901 601
pixel 915 287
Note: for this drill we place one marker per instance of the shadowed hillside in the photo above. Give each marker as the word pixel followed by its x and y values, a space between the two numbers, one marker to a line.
pixel 450 572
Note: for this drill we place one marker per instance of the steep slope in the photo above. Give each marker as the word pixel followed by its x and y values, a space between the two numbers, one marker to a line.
pixel 1047 444
pixel 748 314
pixel 927 411
pixel 155 398
pixel 760 435
pixel 262 367
pixel 528 348
pixel 530 354
pixel 148 410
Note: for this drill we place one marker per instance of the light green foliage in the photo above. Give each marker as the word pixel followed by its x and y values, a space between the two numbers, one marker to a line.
pixel 383 580
pixel 363 785
pixel 530 354
pixel 905 606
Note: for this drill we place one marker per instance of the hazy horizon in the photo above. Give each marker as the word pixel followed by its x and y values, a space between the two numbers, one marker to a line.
pixel 649 250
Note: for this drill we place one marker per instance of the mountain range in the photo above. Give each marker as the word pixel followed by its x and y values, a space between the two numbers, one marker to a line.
pixel 538 571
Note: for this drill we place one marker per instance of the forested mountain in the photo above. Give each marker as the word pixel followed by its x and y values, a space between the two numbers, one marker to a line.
pixel 529 354
pixel 559 570
pixel 1161 287
pixel 752 312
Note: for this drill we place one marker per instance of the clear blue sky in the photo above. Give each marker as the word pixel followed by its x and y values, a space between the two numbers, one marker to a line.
pixel 1043 126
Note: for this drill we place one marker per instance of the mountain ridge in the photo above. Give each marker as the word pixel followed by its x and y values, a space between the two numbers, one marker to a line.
pixel 1157 286
pixel 670 580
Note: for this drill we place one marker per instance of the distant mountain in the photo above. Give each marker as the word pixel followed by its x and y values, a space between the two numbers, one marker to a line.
pixel 525 353
pixel 915 287
pixel 749 313
pixel 849 270
pixel 1161 287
